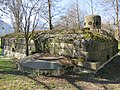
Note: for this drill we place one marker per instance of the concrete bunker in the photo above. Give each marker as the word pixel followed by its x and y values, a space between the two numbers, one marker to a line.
pixel 88 47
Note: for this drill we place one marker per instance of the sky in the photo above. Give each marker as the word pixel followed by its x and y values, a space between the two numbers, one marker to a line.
pixel 84 6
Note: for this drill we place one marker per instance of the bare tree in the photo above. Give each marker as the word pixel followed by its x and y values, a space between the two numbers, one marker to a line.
pixel 111 7
pixel 50 12
pixel 50 17
pixel 14 9
pixel 31 10
pixel 74 15
pixel 78 14
pixel 73 19
pixel 62 23
pixel 117 19
pixel 90 4
pixel 92 7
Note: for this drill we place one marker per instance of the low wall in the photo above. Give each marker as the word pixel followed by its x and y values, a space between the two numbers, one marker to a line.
pixel 16 47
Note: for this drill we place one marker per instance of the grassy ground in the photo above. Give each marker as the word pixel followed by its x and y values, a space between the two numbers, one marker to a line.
pixel 11 79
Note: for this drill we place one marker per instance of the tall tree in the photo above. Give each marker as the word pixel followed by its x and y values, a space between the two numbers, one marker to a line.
pixel 50 17
pixel 50 12
pixel 111 7
pixel 78 14
pixel 72 19
pixel 31 10
pixel 14 9
pixel 117 19
pixel 92 7
pixel 75 14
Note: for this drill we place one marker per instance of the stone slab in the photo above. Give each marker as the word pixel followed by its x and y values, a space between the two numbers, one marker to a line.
pixel 110 70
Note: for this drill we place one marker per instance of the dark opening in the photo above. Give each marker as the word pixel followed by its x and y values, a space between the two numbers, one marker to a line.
pixel 108 57
pixel 90 23
pixel 13 49
pixel 86 28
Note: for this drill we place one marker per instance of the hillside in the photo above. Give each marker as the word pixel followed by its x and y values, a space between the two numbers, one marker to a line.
pixel 5 28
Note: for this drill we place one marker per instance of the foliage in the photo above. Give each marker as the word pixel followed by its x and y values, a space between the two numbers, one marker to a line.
pixel 96 36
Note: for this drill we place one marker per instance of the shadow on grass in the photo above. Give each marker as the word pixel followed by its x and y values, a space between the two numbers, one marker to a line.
pixel 16 72
pixel 4 70
pixel 41 83
pixel 73 78
pixel 103 81
pixel 87 77
pixel 12 72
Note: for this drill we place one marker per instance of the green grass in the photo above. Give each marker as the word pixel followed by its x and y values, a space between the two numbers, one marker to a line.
pixel 7 65
pixel 11 79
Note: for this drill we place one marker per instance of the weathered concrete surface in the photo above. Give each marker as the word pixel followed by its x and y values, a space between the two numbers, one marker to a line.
pixel 40 64
pixel 16 47
pixel 43 63
pixel 111 69
pixel 89 65
pixel 94 47
pixel 92 22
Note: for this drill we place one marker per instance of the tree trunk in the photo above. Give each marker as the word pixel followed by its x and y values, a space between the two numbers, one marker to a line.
pixel 27 45
pixel 49 12
pixel 117 21
pixel 92 10
pixel 78 14
pixel 17 25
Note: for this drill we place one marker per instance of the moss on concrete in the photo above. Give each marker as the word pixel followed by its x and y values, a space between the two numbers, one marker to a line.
pixel 96 36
